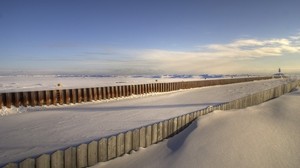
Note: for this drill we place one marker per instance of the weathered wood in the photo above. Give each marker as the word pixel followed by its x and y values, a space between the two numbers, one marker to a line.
pixel 82 156
pixel 67 98
pixel 136 139
pixel 165 129
pixel 108 94
pixel 128 141
pixel 73 96
pixel 102 150
pixel 159 131
pixel 57 159
pixel 95 94
pixel 99 93
pixel 84 95
pixel 60 97
pixel 79 95
pixel 111 147
pixel 54 97
pixel 32 98
pixel 120 144
pixel 148 135
pixel 7 100
pixel 47 98
pixel 123 91
pixel 89 94
pixel 11 165
pixel 92 153
pixel 112 92
pixel 143 137
pixel 16 99
pixel 43 161
pixel 154 134
pixel 25 99
pixel 1 101
pixel 40 97
pixel 28 163
pixel 70 157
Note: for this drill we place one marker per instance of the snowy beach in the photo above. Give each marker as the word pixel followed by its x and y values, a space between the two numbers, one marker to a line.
pixel 44 129
pixel 266 135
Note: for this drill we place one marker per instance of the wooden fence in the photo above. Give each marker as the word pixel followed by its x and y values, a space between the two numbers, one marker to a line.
pixel 79 95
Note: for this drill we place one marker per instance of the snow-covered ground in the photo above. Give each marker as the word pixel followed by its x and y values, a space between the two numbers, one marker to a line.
pixel 43 129
pixel 42 82
pixel 12 83
pixel 266 135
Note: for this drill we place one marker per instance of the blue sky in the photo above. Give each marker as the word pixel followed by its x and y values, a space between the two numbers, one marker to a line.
pixel 149 37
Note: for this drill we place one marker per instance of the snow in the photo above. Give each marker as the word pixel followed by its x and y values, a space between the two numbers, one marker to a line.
pixel 44 129
pixel 266 135
pixel 46 82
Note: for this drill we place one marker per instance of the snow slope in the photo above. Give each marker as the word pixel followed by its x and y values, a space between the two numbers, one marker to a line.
pixel 45 129
pixel 266 135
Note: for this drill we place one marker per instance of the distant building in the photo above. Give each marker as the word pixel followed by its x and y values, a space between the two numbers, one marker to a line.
pixel 279 74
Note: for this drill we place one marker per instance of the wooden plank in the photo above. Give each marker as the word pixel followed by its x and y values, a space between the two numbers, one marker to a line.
pixel 70 157
pixel 43 161
pixel 92 153
pixel 136 139
pixel 28 163
pixel 120 144
pixel 57 159
pixel 143 137
pixel 82 156
pixel 128 141
pixel 111 147
pixel 102 150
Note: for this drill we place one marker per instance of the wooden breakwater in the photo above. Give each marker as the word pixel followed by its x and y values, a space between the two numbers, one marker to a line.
pixel 110 147
pixel 79 95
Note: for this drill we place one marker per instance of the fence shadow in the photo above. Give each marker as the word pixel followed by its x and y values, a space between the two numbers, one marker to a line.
pixel 124 108
pixel 178 140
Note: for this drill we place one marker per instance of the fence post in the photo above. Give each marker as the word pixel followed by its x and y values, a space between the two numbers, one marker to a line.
pixel 102 150
pixel 159 131
pixel 128 141
pixel 120 144
pixel 90 94
pixel 143 137
pixel 165 129
pixel 47 97
pixel 11 165
pixel 33 98
pixel 154 133
pixel 57 159
pixel 40 98
pixel 92 156
pixel 54 97
pixel 43 161
pixel 82 155
pixel 28 163
pixel 7 100
pixel 123 91
pixel 0 100
pixel 67 96
pixel 95 94
pixel 70 157
pixel 136 139
pixel 79 95
pixel 148 135
pixel 108 94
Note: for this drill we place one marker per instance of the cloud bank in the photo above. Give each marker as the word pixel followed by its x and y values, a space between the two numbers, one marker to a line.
pixel 239 56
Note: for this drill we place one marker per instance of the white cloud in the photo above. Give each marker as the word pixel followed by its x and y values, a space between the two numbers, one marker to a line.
pixel 230 57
